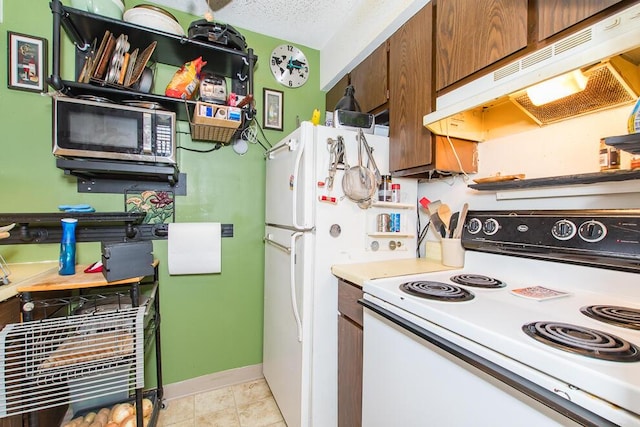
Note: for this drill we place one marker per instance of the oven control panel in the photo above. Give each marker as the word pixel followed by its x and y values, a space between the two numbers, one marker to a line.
pixel 596 234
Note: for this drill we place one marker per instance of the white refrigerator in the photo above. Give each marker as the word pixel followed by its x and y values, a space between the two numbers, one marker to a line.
pixel 309 228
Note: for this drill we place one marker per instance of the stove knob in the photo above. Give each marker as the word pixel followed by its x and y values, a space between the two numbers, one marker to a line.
pixel 490 227
pixel 563 229
pixel 592 231
pixel 474 226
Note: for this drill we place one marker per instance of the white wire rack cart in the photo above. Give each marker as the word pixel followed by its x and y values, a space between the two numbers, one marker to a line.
pixel 86 346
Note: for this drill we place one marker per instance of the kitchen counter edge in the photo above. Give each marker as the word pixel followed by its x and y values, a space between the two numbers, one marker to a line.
pixel 360 272
pixel 20 272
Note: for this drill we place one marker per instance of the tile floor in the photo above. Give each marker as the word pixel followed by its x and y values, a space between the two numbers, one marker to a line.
pixel 243 405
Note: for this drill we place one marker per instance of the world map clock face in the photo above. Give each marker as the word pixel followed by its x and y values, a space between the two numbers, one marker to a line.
pixel 289 66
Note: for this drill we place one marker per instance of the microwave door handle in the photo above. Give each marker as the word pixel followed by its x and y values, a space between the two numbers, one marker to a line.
pixel 292 283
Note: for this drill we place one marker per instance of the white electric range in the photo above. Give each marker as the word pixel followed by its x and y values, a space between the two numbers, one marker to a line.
pixel 478 346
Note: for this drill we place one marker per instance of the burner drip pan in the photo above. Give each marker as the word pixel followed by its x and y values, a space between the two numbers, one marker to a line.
pixel 584 341
pixel 477 281
pixel 437 291
pixel 624 317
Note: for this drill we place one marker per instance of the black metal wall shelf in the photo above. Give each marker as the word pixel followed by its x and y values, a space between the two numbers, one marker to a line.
pixel 92 169
pixel 83 28
pixel 92 227
pixel 556 181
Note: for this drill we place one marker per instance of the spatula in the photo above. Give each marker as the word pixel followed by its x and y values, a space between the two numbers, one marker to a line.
pixel 453 224
pixel 457 233
pixel 444 212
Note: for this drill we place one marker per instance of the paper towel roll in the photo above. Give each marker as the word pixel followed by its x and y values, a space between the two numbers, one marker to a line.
pixel 194 248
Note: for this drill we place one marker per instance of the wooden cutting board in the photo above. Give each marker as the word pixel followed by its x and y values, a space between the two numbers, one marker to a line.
pixel 499 178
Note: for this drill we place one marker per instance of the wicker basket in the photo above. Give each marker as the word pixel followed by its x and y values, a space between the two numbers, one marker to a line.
pixel 205 126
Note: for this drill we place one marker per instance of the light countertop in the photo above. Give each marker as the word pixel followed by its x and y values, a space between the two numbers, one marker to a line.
pixel 21 272
pixel 359 273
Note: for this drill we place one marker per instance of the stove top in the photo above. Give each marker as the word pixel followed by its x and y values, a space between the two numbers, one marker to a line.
pixel 501 321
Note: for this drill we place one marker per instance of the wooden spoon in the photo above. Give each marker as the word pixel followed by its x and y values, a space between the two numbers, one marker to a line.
pixel 444 212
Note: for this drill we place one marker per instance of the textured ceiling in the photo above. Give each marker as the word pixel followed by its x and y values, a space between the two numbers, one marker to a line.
pixel 307 22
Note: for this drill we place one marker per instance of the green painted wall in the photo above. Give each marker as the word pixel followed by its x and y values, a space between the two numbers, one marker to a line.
pixel 210 323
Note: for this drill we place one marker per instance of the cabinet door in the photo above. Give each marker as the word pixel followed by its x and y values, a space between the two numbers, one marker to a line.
pixel 335 93
pixel 349 373
pixel 369 79
pixel 410 91
pixel 557 15
pixel 474 34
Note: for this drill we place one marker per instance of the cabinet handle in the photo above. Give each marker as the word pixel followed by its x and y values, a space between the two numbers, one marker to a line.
pixel 613 24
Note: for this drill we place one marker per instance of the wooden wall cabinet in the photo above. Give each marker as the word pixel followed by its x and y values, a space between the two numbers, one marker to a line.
pixel 370 81
pixel 557 15
pixel 410 92
pixel 350 335
pixel 471 35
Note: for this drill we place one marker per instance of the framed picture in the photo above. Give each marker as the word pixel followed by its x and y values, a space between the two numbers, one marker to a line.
pixel 273 109
pixel 27 62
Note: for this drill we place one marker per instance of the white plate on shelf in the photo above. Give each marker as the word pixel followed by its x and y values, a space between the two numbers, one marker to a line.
pixel 151 18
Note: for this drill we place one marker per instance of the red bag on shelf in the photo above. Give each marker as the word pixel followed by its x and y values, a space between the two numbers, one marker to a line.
pixel 186 80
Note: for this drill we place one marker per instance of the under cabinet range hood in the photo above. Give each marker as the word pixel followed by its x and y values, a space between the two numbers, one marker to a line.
pixel 607 53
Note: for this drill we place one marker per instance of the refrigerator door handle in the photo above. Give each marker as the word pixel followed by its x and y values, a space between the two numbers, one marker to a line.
pixel 294 200
pixel 290 144
pixel 280 246
pixel 294 304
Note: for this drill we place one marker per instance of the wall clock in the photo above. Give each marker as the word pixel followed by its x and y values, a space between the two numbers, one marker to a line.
pixel 289 66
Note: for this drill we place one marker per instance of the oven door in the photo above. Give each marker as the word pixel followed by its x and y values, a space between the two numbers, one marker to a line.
pixel 416 373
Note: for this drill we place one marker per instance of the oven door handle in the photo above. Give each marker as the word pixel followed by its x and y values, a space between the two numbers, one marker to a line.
pixel 529 388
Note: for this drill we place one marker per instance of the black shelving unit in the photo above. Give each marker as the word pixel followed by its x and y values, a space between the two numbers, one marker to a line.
pixel 83 28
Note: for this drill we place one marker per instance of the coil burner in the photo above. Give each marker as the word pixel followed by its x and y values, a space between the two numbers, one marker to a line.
pixel 625 317
pixel 478 281
pixel 584 341
pixel 437 291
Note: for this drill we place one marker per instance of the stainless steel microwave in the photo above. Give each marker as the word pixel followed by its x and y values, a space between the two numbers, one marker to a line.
pixel 101 130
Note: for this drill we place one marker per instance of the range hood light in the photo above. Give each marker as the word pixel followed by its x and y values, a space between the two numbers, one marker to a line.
pixel 558 87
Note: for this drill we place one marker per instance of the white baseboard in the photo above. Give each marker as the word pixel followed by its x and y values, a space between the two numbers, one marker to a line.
pixel 212 381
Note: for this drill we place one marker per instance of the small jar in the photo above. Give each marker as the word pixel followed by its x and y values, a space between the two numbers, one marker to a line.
pixel 609 157
pixel 395 193
pixel 384 190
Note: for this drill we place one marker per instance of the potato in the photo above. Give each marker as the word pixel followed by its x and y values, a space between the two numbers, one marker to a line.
pixel 112 424
pixel 90 417
pixel 120 412
pixel 102 416
pixel 130 421
pixel 74 422
pixel 147 407
pixel 96 424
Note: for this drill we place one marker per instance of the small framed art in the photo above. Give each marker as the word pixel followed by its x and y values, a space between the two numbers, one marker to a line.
pixel 27 62
pixel 273 109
